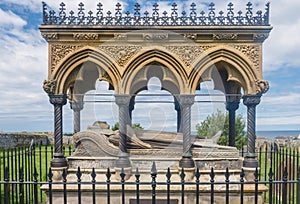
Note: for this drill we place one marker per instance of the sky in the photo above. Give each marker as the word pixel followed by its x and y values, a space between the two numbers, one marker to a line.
pixel 24 106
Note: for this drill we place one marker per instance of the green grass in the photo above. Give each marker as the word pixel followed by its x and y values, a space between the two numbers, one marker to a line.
pixel 285 157
pixel 24 158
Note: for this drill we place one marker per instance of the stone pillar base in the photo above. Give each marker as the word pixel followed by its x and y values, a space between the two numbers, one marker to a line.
pixel 250 162
pixel 57 173
pixel 186 162
pixel 189 173
pixel 59 161
pixel 127 172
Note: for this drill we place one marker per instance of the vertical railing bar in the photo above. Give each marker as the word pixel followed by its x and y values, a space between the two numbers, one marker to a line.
pixel 197 175
pixel 290 175
pixel 1 160
pixel 260 163
pixel 284 186
pixel 137 182
pixel 6 186
pixel 182 176
pixel 153 182
pixel 168 175
pixel 35 179
pixel 64 176
pixel 46 157
pixel 122 175
pixel 21 175
pixel 227 175
pixel 12 177
pixel 256 176
pixel 294 172
pixel 212 175
pixel 16 170
pixel 93 175
pixel 79 174
pixel 50 175
pixel 298 183
pixel 270 186
pixel 266 163
pixel 40 154
pixel 26 166
pixel 108 175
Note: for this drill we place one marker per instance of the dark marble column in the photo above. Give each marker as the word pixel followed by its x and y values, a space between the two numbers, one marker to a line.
pixel 251 101
pixel 124 119
pixel 177 108
pixel 131 108
pixel 58 102
pixel 186 102
pixel 76 107
pixel 232 106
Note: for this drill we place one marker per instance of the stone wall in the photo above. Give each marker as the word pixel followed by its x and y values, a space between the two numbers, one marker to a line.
pixel 12 140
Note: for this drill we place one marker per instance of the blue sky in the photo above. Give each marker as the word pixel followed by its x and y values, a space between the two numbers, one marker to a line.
pixel 23 66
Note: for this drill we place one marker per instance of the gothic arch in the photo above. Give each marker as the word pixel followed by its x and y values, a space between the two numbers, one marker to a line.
pixel 173 72
pixel 239 69
pixel 67 69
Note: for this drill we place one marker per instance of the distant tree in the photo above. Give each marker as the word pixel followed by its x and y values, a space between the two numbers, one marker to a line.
pixel 219 122
pixel 115 126
pixel 135 126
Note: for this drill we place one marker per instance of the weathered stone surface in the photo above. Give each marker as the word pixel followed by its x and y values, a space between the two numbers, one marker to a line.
pixel 12 140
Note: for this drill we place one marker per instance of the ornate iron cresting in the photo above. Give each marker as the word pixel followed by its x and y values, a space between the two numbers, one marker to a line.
pixel 155 18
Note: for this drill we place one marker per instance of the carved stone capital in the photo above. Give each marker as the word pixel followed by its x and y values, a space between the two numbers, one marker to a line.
pixel 58 99
pixel 122 99
pixel 49 86
pixel 232 105
pixel 251 100
pixel 186 99
pixel 76 106
pixel 262 86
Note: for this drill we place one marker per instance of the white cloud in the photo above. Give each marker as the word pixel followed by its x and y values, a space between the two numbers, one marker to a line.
pixel 23 67
pixel 10 20
pixel 33 5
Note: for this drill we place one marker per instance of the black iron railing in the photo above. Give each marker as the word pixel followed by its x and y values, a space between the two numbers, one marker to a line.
pixel 191 17
pixel 24 170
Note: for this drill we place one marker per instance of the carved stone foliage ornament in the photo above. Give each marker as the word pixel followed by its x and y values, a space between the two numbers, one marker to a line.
pixel 121 53
pixel 155 36
pixel 252 52
pixel 85 36
pixel 261 36
pixel 225 36
pixel 120 37
pixel 59 51
pixel 49 86
pixel 50 36
pixel 262 86
pixel 188 54
pixel 190 36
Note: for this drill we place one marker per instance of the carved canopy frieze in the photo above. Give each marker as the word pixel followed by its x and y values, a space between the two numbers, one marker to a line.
pixel 59 51
pixel 187 53
pixel 252 52
pixel 121 53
